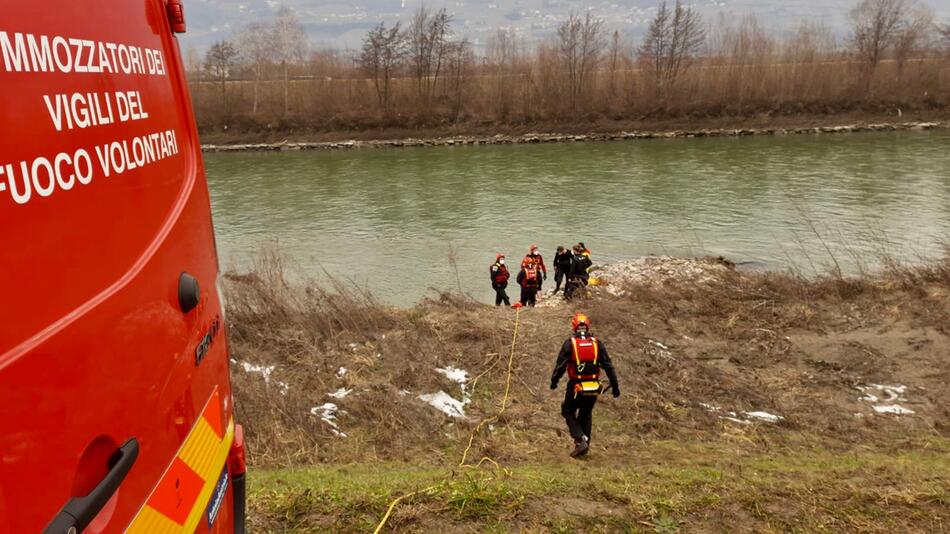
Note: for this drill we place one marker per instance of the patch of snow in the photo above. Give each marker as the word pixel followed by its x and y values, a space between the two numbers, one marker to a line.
pixel 341 372
pixel 454 374
pixel 340 393
pixel 327 414
pixel 745 417
pixel 404 392
pixel 265 371
pixel 896 409
pixel 661 350
pixel 884 398
pixel 445 403
pixel 764 416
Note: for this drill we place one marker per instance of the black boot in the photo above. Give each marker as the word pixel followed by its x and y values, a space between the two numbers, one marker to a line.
pixel 580 447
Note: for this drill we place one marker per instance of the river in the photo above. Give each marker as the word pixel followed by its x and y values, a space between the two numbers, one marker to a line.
pixel 392 219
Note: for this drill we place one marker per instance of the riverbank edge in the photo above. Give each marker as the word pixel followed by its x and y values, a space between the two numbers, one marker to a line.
pixel 538 138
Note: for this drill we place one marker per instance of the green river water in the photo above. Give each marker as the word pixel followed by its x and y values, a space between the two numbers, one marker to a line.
pixel 387 219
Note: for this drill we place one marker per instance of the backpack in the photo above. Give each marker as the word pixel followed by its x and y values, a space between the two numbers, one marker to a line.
pixel 584 368
pixel 531 275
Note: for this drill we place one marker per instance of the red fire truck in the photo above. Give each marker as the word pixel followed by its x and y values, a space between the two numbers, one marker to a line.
pixel 115 398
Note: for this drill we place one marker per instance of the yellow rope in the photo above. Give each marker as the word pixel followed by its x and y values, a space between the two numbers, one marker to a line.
pixel 393 504
pixel 504 400
pixel 471 439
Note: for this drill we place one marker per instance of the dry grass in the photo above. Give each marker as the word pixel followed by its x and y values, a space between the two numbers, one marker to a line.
pixel 782 343
pixel 747 72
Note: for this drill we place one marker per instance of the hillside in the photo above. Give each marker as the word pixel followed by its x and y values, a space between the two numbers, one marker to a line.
pixel 754 402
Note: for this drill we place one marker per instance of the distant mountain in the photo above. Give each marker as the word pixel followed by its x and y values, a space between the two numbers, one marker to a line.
pixel 343 24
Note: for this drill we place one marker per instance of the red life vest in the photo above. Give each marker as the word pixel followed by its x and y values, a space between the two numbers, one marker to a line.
pixel 531 275
pixel 585 364
pixel 499 273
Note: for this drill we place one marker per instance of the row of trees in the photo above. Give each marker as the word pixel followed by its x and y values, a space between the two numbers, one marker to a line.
pixel 425 71
pixel 259 48
pixel 427 49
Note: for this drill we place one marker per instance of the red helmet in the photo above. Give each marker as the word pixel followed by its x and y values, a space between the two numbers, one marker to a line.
pixel 499 256
pixel 578 320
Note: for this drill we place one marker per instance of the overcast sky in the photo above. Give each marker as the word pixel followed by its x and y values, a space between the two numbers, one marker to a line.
pixel 342 24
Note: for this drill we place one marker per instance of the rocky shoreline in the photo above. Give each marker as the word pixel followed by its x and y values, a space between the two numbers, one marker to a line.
pixel 537 138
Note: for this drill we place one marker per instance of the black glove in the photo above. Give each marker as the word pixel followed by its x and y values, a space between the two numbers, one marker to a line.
pixel 545 276
pixel 616 392
pixel 553 385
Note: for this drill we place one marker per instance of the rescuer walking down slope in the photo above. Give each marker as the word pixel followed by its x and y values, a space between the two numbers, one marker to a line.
pixel 499 280
pixel 583 357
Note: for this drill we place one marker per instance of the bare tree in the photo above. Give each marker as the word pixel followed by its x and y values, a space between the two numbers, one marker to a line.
pixel 876 26
pixel 460 59
pixel 917 30
pixel 580 45
pixel 673 40
pixel 613 61
pixel 428 37
pixel 503 56
pixel 290 46
pixel 257 49
pixel 383 51
pixel 219 60
pixel 944 31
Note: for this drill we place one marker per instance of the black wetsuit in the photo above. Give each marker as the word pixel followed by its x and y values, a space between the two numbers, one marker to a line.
pixel 578 276
pixel 578 410
pixel 562 268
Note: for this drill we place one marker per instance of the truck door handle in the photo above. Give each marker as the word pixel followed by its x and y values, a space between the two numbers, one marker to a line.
pixel 80 511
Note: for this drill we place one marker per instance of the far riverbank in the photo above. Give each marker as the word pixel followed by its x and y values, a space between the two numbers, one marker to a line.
pixel 275 140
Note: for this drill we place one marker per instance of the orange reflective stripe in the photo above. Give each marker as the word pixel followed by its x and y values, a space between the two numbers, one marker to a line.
pixel 596 349
pixel 577 356
pixel 176 495
pixel 177 503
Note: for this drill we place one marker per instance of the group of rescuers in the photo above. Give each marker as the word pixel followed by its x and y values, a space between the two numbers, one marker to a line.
pixel 570 266
pixel 582 356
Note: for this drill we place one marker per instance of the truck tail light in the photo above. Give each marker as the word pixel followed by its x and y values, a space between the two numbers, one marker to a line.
pixel 176 16
pixel 237 457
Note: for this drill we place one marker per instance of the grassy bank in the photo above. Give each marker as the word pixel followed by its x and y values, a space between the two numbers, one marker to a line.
pixel 852 375
pixel 659 486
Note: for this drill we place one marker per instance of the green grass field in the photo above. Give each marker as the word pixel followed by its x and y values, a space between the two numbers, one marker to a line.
pixel 662 487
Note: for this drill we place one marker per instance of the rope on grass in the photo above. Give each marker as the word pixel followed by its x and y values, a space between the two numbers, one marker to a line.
pixel 504 400
pixel 393 504
pixel 471 439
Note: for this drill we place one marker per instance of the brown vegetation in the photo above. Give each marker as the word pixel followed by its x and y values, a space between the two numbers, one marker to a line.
pixel 696 357
pixel 426 76
pixel 743 342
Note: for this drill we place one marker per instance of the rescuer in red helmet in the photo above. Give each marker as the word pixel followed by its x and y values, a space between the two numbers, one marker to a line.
pixel 535 258
pixel 583 357
pixel 499 280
